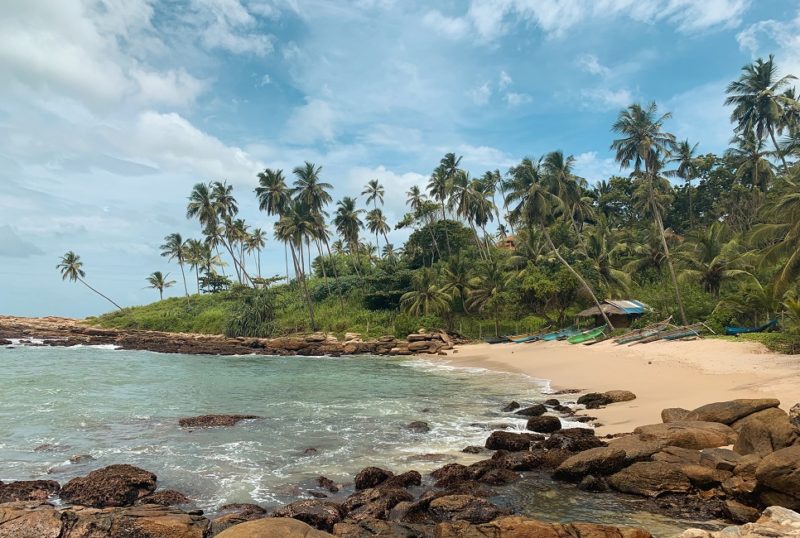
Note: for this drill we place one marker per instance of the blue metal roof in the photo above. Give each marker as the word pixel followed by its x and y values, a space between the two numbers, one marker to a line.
pixel 629 306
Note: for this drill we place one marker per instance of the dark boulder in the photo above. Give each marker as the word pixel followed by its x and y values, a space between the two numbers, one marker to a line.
pixel 213 421
pixel 512 406
pixel 369 477
pixel 552 402
pixel 513 442
pixel 779 472
pixel 327 484
pixel 544 424
pixel 166 497
pixel 520 461
pixel 373 503
pixel 115 485
pixel 765 432
pixel 403 480
pixel 595 461
pixel 651 479
pixel 28 490
pixel 322 515
pixel 419 426
pixel 464 508
pixel 593 400
pixel 533 411
pixel 593 484
pixel 573 440
pixel 731 411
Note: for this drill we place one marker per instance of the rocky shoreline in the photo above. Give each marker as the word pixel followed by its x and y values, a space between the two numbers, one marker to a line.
pixel 737 461
pixel 56 331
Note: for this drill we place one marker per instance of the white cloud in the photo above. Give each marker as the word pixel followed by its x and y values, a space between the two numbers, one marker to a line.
pixel 312 122
pixel 593 168
pixel 779 37
pixel 452 27
pixel 605 98
pixel 516 99
pixel 504 80
pixel 699 114
pixel 172 87
pixel 228 25
pixel 481 94
pixel 590 64
pixel 266 80
pixel 484 157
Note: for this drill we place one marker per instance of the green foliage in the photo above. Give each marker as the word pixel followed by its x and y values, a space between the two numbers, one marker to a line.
pixel 253 315
pixel 426 244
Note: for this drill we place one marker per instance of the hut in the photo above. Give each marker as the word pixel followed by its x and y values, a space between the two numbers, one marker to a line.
pixel 621 312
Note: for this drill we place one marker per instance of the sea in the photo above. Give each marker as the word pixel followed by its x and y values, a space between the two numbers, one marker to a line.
pixel 318 416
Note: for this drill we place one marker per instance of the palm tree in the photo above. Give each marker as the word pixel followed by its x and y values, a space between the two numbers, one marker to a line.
pixel 643 144
pixel 196 253
pixel 684 157
pixel 374 192
pixel 256 243
pixel 486 290
pixel 71 268
pixel 376 223
pixel 348 224
pixel 425 296
pixel 712 257
pixel 781 233
pixel 227 208
pixel 456 277
pixel 273 197
pixel 537 206
pixel 417 201
pixel 602 249
pixel 296 225
pixel 174 248
pixel 440 185
pixel 758 101
pixel 201 206
pixel 310 190
pixel 158 281
pixel 748 156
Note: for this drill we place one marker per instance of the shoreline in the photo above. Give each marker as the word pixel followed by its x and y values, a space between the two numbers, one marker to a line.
pixel 684 374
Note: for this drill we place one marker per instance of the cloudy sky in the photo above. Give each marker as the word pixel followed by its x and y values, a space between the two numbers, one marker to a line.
pixel 110 110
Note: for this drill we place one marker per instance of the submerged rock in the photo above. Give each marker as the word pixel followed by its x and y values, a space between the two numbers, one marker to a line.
pixel 28 490
pixel 512 406
pixel 115 485
pixel 419 426
pixel 213 421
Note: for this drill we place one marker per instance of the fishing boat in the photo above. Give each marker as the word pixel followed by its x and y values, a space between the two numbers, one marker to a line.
pixel 585 336
pixel 496 339
pixel 674 334
pixel 560 334
pixel 644 332
pixel 527 338
pixel 736 331
pixel 567 333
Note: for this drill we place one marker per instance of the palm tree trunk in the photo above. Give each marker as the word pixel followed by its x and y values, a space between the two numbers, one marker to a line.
pixel 778 150
pixel 335 272
pixel 446 235
pixel 691 213
pixel 161 294
pixel 435 244
pixel 98 293
pixel 674 278
pixel 183 274
pixel 286 258
pixel 576 275
pixel 258 262
pixel 305 288
pixel 197 277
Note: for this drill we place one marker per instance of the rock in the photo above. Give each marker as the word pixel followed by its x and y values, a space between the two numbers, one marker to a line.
pixel 512 406
pixel 719 458
pixel 747 466
pixel 451 474
pixel 674 454
pixel 403 480
pixel 573 440
pixel 115 485
pixel 274 527
pixel 688 434
pixel 703 477
pixel 310 451
pixel 28 490
pixel 373 503
pixel 513 442
pixel 595 461
pixel 739 512
pixel 552 402
pixel 775 522
pixel 322 515
pixel 464 508
pixel 650 479
pixel 235 514
pixel 532 411
pixel 674 414
pixel 765 432
pixel 637 449
pixel 617 396
pixel 327 484
pixel 473 450
pixel 419 426
pixel 50 447
pixel 80 458
pixel 519 461
pixel 731 411
pixel 166 497
pixel 543 424
pixel 369 477
pixel 522 527
pixel 780 472
pixel 369 528
pixel 498 477
pixel 593 484
pixel 794 414
pixel 593 400
pixel 213 421
pixel 36 520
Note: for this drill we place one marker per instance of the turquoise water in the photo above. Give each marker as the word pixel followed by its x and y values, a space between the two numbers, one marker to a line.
pixel 123 407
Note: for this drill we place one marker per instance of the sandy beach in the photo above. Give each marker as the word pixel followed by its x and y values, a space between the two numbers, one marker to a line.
pixel 662 374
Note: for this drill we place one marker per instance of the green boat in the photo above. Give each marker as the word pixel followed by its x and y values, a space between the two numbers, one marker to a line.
pixel 585 336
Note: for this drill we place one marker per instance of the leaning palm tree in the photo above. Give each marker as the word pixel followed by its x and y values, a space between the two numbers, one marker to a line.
pixel 685 158
pixel 374 192
pixel 376 223
pixel 758 101
pixel 158 281
pixel 174 248
pixel 295 226
pixel 537 206
pixel 256 242
pixel 71 268
pixel 642 146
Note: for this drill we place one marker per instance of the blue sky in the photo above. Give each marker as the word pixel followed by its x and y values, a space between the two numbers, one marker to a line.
pixel 110 110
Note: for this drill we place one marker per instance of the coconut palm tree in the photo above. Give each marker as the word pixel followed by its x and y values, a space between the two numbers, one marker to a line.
pixel 348 223
pixel 174 248
pixel 425 297
pixel 684 157
pixel 374 192
pixel 227 208
pixel 71 268
pixel 295 226
pixel 758 101
pixel 312 192
pixel 536 206
pixel 201 206
pixel 377 224
pixel 197 252
pixel 749 157
pixel 486 290
pixel 273 197
pixel 440 185
pixel 712 257
pixel 781 235
pixel 256 243
pixel 456 277
pixel 418 202
pixel 642 146
pixel 158 281
pixel 603 248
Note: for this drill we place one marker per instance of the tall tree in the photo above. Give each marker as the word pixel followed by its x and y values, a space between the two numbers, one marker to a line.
pixel 374 192
pixel 295 226
pixel 758 99
pixel 684 157
pixel 425 296
pixel 256 243
pixel 273 197
pixel 71 268
pixel 377 224
pixel 174 248
pixel 642 146
pixel 158 281
pixel 749 157
pixel 348 224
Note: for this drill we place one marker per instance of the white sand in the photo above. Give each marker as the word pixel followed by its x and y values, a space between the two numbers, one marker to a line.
pixel 683 374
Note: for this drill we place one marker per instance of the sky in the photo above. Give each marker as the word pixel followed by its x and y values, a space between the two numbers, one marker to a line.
pixel 110 110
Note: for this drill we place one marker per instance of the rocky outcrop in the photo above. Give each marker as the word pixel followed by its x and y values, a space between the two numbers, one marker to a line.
pixel 369 477
pixel 543 424
pixel 513 442
pixel 519 527
pixel 765 432
pixel 28 490
pixel 573 440
pixel 235 514
pixel 775 522
pixel 274 527
pixel 731 411
pixel 688 434
pixel 115 485
pixel 464 508
pixel 778 478
pixel 595 461
pixel 374 503
pixel 38 520
pixel 322 515
pixel 213 421
pixel 651 479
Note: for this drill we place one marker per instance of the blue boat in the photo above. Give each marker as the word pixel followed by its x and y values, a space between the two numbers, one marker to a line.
pixel 736 331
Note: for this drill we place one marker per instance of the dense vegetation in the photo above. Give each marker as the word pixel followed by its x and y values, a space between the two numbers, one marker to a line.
pixel 701 237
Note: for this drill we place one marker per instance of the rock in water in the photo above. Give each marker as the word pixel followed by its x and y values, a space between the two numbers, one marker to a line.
pixel 166 497
pixel 115 485
pixel 544 424
pixel 419 426
pixel 213 421
pixel 532 411
pixel 512 406
pixel 593 400
pixel 369 477
pixel 28 490
pixel 651 479
pixel 464 508
pixel 513 442
pixel 322 515
pixel 274 527
pixel 522 527
pixel 595 461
